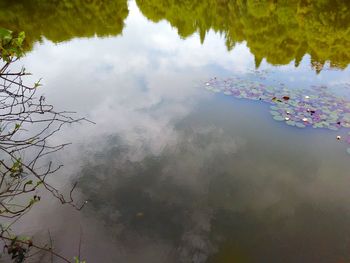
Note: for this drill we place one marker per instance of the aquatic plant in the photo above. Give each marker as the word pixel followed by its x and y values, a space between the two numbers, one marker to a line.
pixel 315 107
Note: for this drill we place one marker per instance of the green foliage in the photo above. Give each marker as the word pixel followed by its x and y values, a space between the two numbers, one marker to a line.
pixel 16 250
pixel 61 20
pixel 18 247
pixel 77 260
pixel 37 84
pixel 11 45
pixel 20 178
pixel 280 31
pixel 16 169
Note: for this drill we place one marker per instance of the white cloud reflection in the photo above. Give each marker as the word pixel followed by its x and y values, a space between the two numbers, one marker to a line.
pixel 137 87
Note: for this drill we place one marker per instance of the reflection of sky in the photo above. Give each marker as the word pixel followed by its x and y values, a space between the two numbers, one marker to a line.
pixel 202 170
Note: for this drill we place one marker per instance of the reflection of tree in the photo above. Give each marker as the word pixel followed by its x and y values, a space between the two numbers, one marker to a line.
pixel 62 20
pixel 280 31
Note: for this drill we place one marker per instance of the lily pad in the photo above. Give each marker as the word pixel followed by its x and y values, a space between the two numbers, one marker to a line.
pixel 315 106
pixel 300 125
pixel 275 113
pixel 278 118
pixel 291 123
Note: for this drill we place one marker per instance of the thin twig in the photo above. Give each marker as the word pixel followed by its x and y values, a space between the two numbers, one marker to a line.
pixel 30 244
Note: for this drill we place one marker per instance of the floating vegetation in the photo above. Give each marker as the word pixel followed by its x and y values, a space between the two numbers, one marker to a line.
pixel 314 107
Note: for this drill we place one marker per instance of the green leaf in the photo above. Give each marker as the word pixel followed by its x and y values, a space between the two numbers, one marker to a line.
pixel 5 33
pixel 29 182
pixel 37 84
pixel 77 260
pixel 278 118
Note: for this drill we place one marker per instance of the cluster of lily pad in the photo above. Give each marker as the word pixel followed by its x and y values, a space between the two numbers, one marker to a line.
pixel 314 107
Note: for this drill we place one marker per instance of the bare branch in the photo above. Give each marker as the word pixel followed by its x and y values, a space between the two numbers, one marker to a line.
pixel 27 122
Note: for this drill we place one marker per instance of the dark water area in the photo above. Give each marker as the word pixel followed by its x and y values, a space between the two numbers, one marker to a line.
pixel 258 194
pixel 174 171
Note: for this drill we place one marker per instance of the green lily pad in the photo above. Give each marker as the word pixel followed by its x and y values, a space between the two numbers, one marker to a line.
pixel 317 125
pixel 278 118
pixel 300 125
pixel 291 123
pixel 297 107
pixel 275 113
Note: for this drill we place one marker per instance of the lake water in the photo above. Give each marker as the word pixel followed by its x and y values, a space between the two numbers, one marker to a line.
pixel 175 170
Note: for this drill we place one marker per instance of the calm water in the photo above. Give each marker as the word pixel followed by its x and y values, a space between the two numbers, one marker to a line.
pixel 174 172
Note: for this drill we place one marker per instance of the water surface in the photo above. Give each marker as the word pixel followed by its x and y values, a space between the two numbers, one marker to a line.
pixel 173 172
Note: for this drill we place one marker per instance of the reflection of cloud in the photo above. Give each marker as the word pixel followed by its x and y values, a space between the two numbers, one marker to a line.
pixel 195 244
pixel 158 195
pixel 137 53
pixel 166 186
pixel 211 187
pixel 135 86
